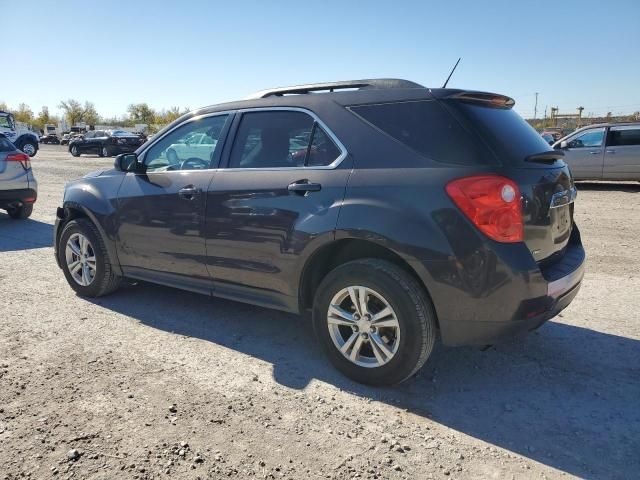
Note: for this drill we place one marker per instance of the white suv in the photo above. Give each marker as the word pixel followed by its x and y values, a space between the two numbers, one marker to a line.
pixel 18 186
pixel 18 134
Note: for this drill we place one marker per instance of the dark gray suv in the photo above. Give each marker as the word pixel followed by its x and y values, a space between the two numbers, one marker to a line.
pixel 390 212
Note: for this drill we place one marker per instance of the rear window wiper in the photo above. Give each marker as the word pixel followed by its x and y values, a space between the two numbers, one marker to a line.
pixel 545 157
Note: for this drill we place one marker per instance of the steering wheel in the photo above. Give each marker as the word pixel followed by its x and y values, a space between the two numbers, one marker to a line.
pixel 194 163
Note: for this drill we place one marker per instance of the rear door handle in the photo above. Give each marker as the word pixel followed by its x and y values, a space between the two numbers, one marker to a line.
pixel 594 152
pixel 301 187
pixel 189 192
pixel 610 151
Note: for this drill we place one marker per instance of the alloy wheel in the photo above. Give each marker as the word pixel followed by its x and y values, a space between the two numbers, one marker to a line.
pixel 81 259
pixel 363 326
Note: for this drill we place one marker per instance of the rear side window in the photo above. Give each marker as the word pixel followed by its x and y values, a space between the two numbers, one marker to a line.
pixel 277 139
pixel 428 128
pixel 6 145
pixel 623 136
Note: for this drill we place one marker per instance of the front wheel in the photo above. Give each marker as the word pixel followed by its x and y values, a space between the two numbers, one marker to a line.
pixel 105 152
pixel 74 151
pixel 85 260
pixel 374 321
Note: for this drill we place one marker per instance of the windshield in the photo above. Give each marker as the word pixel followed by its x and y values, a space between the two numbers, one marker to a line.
pixel 6 121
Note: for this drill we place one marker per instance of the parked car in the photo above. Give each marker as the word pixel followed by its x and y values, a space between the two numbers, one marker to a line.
pixel 105 143
pixel 18 186
pixel 608 151
pixel 66 138
pixel 51 139
pixel 18 134
pixel 415 213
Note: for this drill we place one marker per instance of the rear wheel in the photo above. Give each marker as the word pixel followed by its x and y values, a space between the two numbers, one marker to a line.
pixel 20 213
pixel 85 260
pixel 374 321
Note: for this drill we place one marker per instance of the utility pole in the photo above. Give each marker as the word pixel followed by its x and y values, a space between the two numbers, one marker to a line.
pixel 535 108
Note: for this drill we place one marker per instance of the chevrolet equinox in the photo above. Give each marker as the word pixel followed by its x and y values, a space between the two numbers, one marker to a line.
pixel 388 212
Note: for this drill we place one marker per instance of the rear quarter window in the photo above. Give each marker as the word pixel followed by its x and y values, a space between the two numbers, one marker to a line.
pixel 428 128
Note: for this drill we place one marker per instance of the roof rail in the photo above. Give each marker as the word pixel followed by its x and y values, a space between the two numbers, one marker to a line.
pixel 373 83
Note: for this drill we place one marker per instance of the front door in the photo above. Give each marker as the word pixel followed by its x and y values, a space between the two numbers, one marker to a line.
pixel 622 154
pixel 161 211
pixel 281 191
pixel 585 154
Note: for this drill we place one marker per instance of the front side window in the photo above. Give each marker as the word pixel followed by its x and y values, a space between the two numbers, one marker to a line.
pixel 588 139
pixel 277 139
pixel 5 121
pixel 191 146
pixel 623 136
pixel 90 135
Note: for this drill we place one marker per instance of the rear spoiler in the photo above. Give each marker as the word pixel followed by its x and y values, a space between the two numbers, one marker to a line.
pixel 487 99
pixel 545 157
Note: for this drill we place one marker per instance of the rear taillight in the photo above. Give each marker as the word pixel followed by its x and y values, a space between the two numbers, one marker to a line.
pixel 23 158
pixel 492 203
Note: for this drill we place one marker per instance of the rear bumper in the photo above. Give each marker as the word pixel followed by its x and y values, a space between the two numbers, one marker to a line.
pixel 551 291
pixel 17 196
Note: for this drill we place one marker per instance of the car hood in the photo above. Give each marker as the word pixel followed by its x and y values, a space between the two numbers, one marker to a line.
pixel 100 173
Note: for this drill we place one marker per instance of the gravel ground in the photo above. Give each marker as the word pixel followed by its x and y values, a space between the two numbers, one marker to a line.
pixel 157 383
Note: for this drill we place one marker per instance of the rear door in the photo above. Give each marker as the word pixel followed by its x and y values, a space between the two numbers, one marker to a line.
pixel 281 191
pixel 161 211
pixel 585 154
pixel 622 153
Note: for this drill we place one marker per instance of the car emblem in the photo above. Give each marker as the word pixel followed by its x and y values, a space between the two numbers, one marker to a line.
pixel 564 197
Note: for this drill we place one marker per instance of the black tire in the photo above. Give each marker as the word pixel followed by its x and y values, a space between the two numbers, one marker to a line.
pixel 408 299
pixel 21 213
pixel 105 280
pixel 31 146
pixel 74 151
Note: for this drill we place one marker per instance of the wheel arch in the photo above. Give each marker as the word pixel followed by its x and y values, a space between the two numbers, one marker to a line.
pixel 72 210
pixel 344 250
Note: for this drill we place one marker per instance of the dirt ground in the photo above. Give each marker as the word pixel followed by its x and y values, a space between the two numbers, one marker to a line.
pixel 157 383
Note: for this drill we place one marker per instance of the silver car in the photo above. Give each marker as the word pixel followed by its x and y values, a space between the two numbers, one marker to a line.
pixel 18 186
pixel 608 151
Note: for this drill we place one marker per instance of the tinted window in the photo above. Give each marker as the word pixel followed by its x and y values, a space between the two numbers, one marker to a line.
pixel 590 138
pixel 506 133
pixel 624 136
pixel 428 128
pixel 271 139
pixel 5 122
pixel 323 150
pixel 6 145
pixel 181 149
pixel 90 135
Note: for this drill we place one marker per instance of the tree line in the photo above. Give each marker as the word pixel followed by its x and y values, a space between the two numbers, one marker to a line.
pixel 74 112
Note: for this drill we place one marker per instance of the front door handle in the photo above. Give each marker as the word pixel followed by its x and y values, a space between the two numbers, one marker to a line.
pixel 189 192
pixel 301 187
pixel 610 151
pixel 594 152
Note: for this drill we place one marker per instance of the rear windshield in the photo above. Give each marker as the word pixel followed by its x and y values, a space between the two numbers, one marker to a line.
pixel 428 128
pixel 506 133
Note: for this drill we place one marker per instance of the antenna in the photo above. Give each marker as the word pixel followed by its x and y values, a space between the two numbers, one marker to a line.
pixel 452 70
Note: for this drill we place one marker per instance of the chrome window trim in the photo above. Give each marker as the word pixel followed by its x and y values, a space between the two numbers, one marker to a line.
pixel 328 131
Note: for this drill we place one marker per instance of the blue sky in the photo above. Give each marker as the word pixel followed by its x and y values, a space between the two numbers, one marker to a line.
pixel 196 53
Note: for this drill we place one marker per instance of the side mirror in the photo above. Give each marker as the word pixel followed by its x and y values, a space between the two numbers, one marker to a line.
pixel 564 145
pixel 126 162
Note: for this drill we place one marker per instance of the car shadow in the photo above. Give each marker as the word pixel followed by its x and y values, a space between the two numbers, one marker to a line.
pixel 564 396
pixel 24 234
pixel 629 187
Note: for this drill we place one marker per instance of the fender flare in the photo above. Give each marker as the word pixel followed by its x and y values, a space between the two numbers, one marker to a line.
pixel 108 242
